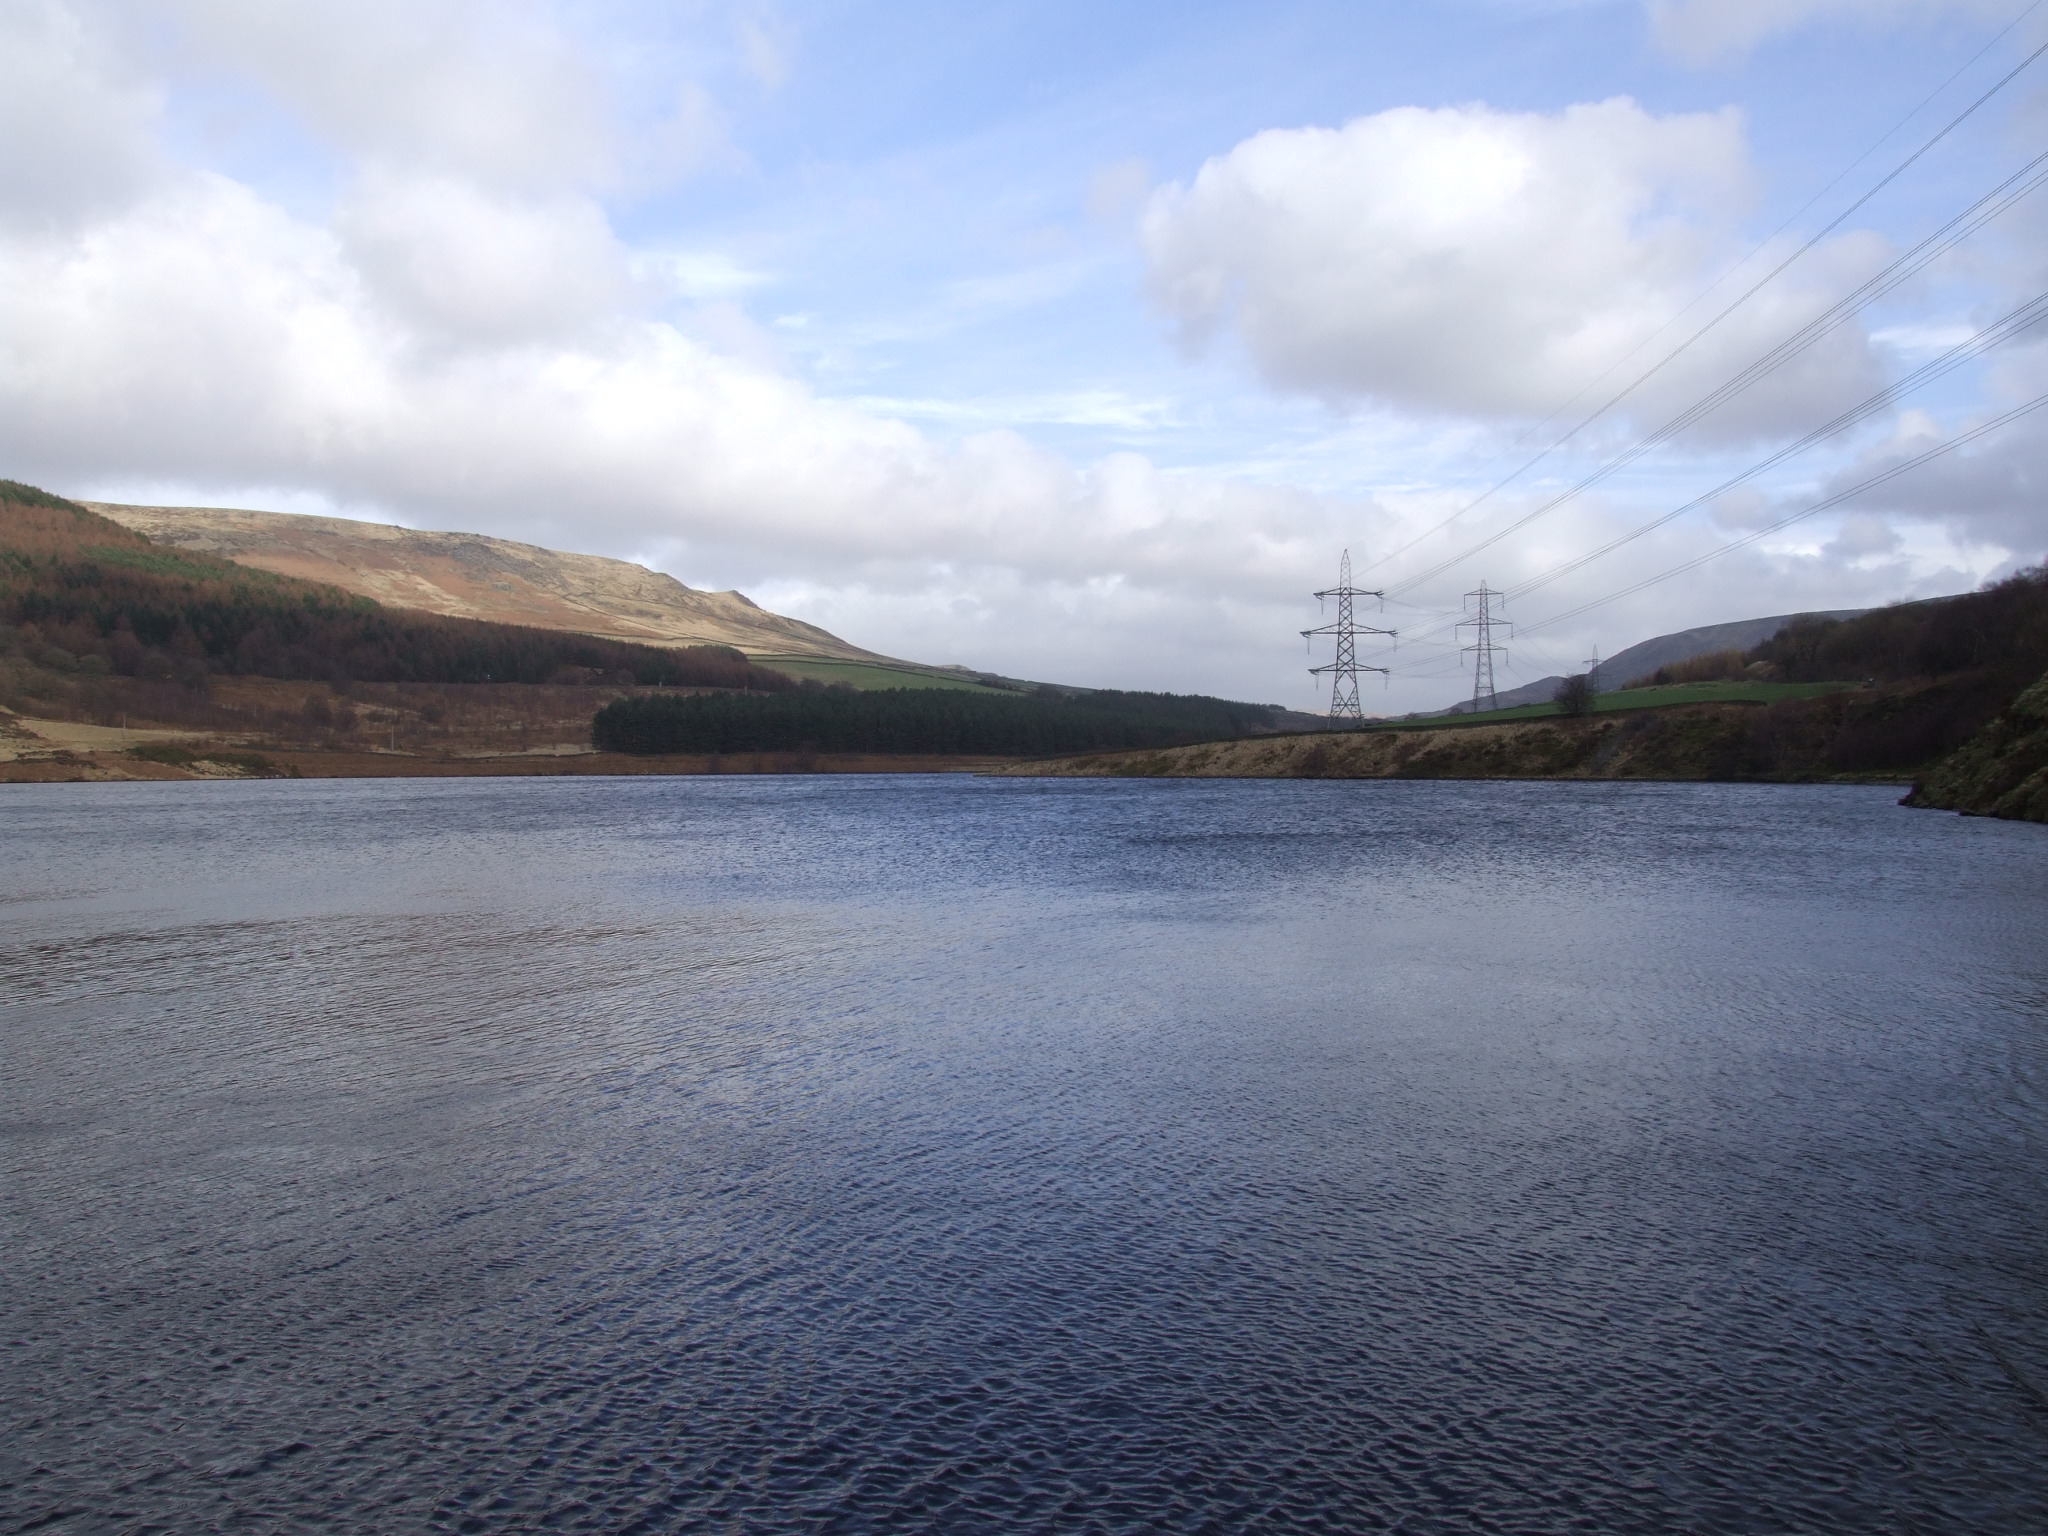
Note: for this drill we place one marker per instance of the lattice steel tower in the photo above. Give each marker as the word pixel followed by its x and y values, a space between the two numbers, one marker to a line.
pixel 1345 669
pixel 1483 650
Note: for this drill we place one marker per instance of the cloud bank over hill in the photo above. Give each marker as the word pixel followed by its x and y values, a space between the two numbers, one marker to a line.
pixel 425 283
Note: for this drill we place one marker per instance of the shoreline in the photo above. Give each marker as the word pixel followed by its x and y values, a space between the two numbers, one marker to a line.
pixel 102 767
pixel 1698 743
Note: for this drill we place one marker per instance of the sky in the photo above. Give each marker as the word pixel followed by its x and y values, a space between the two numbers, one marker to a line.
pixel 1073 342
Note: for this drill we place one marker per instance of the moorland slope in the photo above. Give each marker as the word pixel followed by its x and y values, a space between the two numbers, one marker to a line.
pixel 471 576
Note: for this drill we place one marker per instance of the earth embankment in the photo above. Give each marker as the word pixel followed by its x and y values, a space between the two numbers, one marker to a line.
pixel 1699 742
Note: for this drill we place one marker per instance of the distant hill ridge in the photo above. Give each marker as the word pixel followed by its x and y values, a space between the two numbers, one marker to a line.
pixel 474 576
pixel 1645 657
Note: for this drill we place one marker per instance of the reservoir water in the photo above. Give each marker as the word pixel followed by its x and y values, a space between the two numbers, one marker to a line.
pixel 938 1154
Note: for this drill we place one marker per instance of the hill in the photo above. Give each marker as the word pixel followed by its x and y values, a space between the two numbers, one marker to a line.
pixel 82 596
pixel 1887 694
pixel 1646 656
pixel 471 576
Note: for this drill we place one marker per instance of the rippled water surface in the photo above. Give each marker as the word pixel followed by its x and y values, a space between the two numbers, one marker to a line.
pixel 907 1155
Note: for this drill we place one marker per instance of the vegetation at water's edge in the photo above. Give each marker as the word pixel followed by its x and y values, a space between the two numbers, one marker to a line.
pixel 1887 693
pixel 1883 696
pixel 79 593
pixel 2001 771
pixel 918 721
pixel 254 764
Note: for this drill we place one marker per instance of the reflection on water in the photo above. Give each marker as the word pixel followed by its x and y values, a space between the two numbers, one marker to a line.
pixel 937 1155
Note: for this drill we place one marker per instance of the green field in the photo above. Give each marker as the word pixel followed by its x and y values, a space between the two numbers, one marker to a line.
pixel 866 676
pixel 1631 698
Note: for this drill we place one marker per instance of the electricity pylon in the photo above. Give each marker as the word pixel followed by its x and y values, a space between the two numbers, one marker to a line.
pixel 1345 669
pixel 1592 666
pixel 1483 650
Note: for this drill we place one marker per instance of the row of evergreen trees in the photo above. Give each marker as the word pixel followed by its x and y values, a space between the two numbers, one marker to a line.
pixel 918 721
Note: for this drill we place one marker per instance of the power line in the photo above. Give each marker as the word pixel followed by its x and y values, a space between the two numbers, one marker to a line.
pixel 2029 178
pixel 1790 219
pixel 1981 430
pixel 2016 324
pixel 2009 327
pixel 1873 288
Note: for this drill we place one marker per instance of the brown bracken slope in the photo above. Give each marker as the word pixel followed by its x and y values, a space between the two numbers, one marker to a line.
pixel 469 576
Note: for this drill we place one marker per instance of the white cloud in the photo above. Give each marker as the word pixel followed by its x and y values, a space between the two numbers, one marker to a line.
pixel 488 89
pixel 477 266
pixel 1990 496
pixel 1703 31
pixel 703 275
pixel 1476 262
pixel 76 126
pixel 207 337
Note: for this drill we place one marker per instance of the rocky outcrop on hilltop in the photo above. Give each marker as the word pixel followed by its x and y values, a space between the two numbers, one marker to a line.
pixel 2001 771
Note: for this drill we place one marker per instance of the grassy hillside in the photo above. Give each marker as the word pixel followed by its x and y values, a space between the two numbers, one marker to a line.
pixel 917 721
pixel 869 677
pixel 80 594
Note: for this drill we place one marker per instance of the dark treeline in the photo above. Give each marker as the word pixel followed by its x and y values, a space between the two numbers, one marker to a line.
pixel 1943 669
pixel 88 594
pixel 918 721
pixel 2001 630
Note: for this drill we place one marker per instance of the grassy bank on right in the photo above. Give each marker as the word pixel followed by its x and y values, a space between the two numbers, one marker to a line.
pixel 2001 771
pixel 1622 700
pixel 1800 740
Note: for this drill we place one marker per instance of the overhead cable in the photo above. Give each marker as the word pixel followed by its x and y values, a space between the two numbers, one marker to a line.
pixel 1934 245
pixel 1790 219
pixel 1906 466
pixel 2021 320
pixel 2007 328
pixel 2028 179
